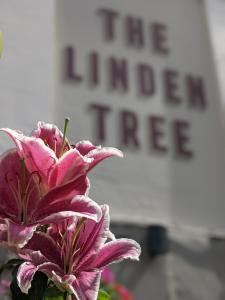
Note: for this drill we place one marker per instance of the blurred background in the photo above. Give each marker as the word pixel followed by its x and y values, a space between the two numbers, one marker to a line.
pixel 147 77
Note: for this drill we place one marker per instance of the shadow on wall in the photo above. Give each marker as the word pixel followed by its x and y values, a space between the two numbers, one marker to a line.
pixel 209 259
pixel 148 277
pixel 194 268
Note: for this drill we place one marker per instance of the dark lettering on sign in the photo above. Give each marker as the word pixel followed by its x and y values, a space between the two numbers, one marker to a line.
pixel 159 38
pixel 134 32
pixel 146 80
pixel 109 17
pixel 118 74
pixel 94 68
pixel 164 136
pixel 182 139
pixel 70 70
pixel 171 86
pixel 129 129
pixel 196 92
pixel 101 112
pixel 156 124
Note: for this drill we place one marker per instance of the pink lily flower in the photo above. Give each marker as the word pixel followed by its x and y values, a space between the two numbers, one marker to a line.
pixel 48 152
pixel 24 204
pixel 73 255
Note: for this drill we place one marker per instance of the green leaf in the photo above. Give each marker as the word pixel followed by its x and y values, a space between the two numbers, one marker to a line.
pixel 102 295
pixel 53 294
pixel 37 290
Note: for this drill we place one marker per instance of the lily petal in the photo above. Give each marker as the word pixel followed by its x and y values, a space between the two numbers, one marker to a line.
pixel 97 153
pixel 27 271
pixel 19 234
pixel 9 165
pixel 50 134
pixel 65 283
pixel 69 190
pixel 94 235
pixel 100 154
pixel 38 157
pixel 46 245
pixel 25 276
pixel 69 167
pixel 84 147
pixel 116 251
pixel 80 206
pixel 87 285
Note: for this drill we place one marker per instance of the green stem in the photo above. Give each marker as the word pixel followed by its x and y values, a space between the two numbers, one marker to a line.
pixel 23 188
pixel 64 136
pixel 67 296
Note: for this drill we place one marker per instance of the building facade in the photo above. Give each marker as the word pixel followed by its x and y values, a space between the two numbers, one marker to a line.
pixel 139 76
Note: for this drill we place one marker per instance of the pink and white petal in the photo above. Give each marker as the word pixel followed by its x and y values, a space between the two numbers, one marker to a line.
pixel 116 251
pixel 74 188
pixel 46 131
pixel 84 262
pixel 64 282
pixel 100 154
pixel 87 285
pixel 69 167
pixel 80 206
pixel 18 234
pixel 38 157
pixel 36 257
pixel 10 167
pixel 25 276
pixel 27 271
pixel 48 268
pixel 50 134
pixel 46 245
pixel 15 135
pixel 61 195
pixel 84 147
pixel 93 237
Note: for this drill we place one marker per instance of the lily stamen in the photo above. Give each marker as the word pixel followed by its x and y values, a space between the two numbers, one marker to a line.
pixel 14 191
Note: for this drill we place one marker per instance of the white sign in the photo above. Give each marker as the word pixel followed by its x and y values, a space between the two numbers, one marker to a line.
pixel 139 75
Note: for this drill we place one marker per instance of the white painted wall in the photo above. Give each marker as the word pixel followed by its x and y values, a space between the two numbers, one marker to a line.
pixel 27 65
pixel 145 187
pixel 194 268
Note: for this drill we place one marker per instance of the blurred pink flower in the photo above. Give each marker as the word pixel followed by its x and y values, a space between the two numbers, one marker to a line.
pixel 107 275
pixel 4 285
pixel 72 255
pixel 4 289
